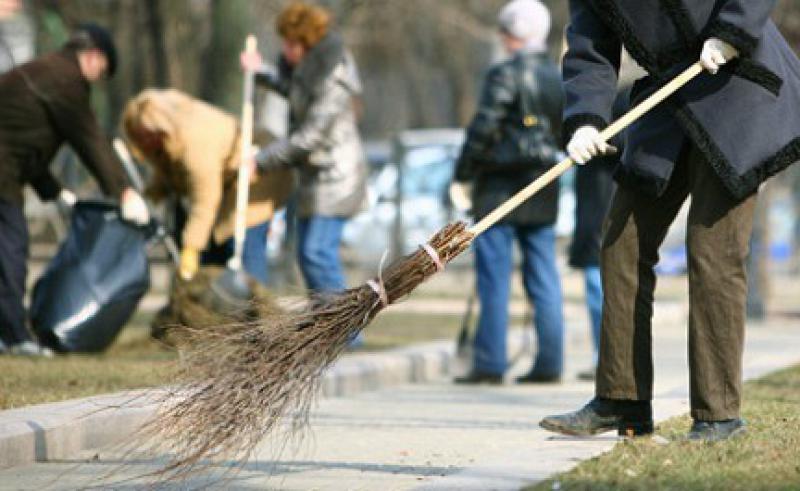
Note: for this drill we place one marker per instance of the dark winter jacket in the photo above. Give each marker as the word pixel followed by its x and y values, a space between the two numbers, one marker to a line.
pixel 45 103
pixel 501 108
pixel 744 120
pixel 323 142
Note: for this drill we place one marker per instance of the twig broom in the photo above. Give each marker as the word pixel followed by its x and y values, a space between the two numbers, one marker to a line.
pixel 239 384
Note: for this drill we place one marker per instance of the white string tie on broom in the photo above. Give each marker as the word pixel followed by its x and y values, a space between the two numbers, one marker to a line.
pixel 380 290
pixel 434 256
pixel 377 286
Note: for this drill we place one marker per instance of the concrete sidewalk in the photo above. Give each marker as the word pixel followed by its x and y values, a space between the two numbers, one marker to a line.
pixel 433 435
pixel 60 430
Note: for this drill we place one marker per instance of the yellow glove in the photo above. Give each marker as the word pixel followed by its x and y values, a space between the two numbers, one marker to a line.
pixel 190 262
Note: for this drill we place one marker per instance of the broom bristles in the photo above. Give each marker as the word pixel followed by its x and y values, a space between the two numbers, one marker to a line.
pixel 240 384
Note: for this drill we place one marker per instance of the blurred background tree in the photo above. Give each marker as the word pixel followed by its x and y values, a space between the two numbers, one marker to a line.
pixel 421 59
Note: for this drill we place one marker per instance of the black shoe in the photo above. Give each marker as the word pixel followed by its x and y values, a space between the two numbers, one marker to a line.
pixel 629 418
pixel 476 378
pixel 713 431
pixel 537 378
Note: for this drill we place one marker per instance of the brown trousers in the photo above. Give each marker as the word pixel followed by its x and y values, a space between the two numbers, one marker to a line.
pixel 717 240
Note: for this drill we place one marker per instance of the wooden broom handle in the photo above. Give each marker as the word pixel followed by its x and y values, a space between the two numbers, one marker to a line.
pixel 245 154
pixel 608 133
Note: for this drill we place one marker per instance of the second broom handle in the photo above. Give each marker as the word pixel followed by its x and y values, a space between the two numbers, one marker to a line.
pixel 245 154
pixel 612 130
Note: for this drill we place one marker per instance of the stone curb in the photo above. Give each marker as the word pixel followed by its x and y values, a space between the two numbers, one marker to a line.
pixel 60 430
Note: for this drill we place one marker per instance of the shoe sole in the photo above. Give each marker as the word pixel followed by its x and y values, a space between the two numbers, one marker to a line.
pixel 628 430
pixel 566 431
pixel 719 438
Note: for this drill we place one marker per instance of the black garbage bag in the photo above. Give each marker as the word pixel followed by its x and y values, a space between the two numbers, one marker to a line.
pixel 93 285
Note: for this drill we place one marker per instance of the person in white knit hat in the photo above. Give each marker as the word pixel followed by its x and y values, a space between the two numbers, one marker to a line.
pixel 510 142
pixel 528 21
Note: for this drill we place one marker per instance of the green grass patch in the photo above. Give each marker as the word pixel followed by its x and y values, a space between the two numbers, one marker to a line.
pixel 766 457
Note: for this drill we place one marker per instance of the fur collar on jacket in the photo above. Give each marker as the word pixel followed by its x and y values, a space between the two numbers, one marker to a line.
pixel 318 64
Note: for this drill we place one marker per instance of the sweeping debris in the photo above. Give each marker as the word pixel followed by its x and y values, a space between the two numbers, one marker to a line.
pixel 189 310
pixel 240 384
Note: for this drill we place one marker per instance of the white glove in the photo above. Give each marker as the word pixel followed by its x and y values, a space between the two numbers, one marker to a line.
pixel 586 143
pixel 716 53
pixel 133 208
pixel 67 198
pixel 460 195
pixel 251 61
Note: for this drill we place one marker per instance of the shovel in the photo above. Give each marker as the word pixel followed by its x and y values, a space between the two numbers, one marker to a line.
pixel 231 291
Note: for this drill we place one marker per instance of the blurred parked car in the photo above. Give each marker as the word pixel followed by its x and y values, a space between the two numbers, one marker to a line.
pixel 413 179
pixel 413 174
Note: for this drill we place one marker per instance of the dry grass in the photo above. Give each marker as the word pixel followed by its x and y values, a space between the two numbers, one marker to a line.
pixel 766 458
pixel 133 362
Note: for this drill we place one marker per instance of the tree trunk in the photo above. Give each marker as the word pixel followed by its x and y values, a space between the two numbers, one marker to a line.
pixel 155 28
pixel 222 75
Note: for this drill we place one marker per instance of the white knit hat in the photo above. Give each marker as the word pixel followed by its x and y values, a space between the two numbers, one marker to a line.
pixel 528 20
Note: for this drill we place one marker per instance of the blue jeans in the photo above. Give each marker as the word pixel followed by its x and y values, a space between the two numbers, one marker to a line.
pixel 594 302
pixel 254 253
pixel 493 263
pixel 318 240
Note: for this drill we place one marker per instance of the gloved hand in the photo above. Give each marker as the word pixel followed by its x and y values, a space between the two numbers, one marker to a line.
pixel 133 208
pixel 716 53
pixel 273 156
pixel 586 143
pixel 251 61
pixel 190 262
pixel 67 198
pixel 461 195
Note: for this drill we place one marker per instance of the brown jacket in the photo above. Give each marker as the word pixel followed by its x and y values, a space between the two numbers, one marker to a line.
pixel 199 160
pixel 45 103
